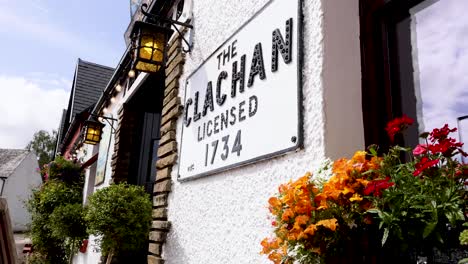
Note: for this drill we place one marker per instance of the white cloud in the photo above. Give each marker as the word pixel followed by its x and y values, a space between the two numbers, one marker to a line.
pixel 27 106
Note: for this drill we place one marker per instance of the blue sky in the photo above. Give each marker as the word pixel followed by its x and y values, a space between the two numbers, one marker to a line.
pixel 49 35
pixel 41 42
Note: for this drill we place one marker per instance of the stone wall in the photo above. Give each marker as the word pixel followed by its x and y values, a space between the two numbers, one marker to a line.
pixel 167 151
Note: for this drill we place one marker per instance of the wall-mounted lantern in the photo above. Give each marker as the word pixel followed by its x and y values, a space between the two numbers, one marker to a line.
pixel 149 41
pixel 92 129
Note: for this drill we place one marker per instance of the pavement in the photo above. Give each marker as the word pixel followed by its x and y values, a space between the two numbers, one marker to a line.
pixel 20 241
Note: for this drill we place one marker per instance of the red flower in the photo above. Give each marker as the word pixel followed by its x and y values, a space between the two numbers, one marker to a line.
pixel 441 133
pixel 397 125
pixel 462 171
pixel 443 144
pixel 424 164
pixel 420 149
pixel 446 146
pixel 376 187
pixel 84 246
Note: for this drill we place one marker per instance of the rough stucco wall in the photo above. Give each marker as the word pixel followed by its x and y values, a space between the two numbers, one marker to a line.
pixel 18 188
pixel 222 218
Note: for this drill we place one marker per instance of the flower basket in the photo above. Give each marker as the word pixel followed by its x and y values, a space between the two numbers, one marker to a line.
pixel 375 209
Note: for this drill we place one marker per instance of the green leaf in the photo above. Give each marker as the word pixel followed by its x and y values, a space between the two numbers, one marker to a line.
pixel 429 228
pixel 385 236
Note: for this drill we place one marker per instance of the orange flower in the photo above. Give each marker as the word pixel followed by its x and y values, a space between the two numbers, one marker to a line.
pixel 275 257
pixel 275 204
pixel 270 244
pixel 294 234
pixel 287 214
pixel 303 206
pixel 321 201
pixel 328 223
pixel 299 221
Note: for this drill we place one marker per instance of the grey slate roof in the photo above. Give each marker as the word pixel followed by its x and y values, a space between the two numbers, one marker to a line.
pixel 10 159
pixel 90 81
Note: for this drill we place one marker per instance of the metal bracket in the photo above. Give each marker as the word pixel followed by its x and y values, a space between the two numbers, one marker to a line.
pixel 3 179
pixel 109 120
pixel 157 18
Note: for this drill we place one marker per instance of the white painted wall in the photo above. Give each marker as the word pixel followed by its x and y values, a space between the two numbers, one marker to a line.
pixel 18 189
pixel 222 218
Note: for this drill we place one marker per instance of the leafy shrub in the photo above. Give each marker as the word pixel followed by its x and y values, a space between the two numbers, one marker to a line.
pixel 67 221
pixel 66 171
pixel 36 258
pixel 121 215
pixel 57 213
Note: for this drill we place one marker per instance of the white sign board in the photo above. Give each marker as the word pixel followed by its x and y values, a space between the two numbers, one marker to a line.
pixel 243 104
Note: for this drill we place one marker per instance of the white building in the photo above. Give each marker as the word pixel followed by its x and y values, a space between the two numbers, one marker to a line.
pixel 313 84
pixel 20 170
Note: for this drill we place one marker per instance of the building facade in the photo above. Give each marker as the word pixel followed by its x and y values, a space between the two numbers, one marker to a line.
pixel 19 168
pixel 263 92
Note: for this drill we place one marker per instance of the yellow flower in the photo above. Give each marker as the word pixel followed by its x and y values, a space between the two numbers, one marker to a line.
pixel 347 190
pixel 359 157
pixel 310 230
pixel 328 223
pixel 356 197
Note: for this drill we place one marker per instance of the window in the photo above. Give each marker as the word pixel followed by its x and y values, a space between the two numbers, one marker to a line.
pixel 414 56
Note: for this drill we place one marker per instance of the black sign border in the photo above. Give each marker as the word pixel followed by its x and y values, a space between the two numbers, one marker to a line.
pixel 300 140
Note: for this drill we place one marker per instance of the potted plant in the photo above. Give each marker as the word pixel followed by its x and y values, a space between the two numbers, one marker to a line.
pixel 120 215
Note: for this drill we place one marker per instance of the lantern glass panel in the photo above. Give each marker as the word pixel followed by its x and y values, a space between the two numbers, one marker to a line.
pixel 152 46
pixel 93 133
pixel 149 46
pixel 147 67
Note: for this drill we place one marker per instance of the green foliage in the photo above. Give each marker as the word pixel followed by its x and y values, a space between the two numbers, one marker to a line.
pixel 464 236
pixel 37 258
pixel 57 214
pixel 418 208
pixel 67 221
pixel 43 144
pixel 121 215
pixel 66 171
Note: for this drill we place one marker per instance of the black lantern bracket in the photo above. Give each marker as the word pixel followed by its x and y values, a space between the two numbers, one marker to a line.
pixel 109 120
pixel 160 19
pixel 3 179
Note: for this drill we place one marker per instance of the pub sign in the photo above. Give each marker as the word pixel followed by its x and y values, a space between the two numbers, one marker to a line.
pixel 243 104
